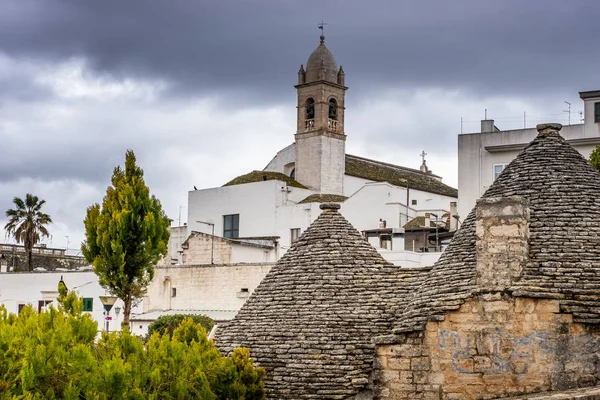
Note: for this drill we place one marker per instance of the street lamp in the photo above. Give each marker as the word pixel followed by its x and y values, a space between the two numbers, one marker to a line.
pixel 212 239
pixel 108 302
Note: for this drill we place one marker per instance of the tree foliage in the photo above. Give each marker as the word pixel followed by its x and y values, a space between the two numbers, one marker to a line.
pixel 126 236
pixel 55 355
pixel 168 323
pixel 595 158
pixel 26 222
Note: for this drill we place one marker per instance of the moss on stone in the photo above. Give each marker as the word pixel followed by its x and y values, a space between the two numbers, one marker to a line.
pixel 259 176
pixel 396 175
pixel 324 198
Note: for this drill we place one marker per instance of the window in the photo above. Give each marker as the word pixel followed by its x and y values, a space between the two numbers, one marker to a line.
pixel 20 308
pixel 310 108
pixel 294 234
pixel 231 226
pixel 332 109
pixel 414 202
pixel 42 304
pixel 596 112
pixel 88 304
pixel 498 168
pixel 173 292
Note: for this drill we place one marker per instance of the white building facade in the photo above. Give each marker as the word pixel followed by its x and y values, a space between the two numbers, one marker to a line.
pixel 482 156
pixel 40 290
pixel 283 199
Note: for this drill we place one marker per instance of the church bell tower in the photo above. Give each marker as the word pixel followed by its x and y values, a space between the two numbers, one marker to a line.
pixel 320 138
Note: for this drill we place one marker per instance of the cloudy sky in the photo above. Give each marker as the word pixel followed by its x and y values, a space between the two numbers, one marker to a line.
pixel 202 91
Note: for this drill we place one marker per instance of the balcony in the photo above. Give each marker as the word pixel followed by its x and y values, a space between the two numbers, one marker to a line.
pixel 309 124
pixel 332 124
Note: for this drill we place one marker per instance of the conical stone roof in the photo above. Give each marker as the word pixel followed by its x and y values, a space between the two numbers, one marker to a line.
pixel 311 320
pixel 563 191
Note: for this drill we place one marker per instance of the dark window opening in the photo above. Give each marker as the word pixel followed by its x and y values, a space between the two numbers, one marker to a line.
pixel 293 173
pixel 294 234
pixel 20 308
pixel 310 108
pixel 414 202
pixel 231 226
pixel 173 292
pixel 332 109
pixel 88 304
pixel 42 304
pixel 244 290
pixel 596 112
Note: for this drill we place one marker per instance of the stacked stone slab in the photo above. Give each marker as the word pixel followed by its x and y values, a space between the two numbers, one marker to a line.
pixel 563 192
pixel 311 321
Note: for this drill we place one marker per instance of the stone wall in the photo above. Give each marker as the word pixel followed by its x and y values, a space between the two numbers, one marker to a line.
pixel 204 287
pixel 199 247
pixel 493 346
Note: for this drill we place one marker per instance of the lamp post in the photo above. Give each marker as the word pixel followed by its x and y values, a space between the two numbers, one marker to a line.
pixel 212 239
pixel 108 302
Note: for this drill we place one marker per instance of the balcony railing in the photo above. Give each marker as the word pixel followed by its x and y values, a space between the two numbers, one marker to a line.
pixel 309 124
pixel 332 124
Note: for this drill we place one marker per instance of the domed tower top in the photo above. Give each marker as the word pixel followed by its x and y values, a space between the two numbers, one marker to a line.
pixel 321 65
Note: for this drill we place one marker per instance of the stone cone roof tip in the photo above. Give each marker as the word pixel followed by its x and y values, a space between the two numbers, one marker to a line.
pixel 311 321
pixel 563 191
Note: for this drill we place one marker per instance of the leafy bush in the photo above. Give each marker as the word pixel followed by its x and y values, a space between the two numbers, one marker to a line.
pixel 168 323
pixel 55 355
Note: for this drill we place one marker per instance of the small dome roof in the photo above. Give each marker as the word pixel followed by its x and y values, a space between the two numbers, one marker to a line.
pixel 321 65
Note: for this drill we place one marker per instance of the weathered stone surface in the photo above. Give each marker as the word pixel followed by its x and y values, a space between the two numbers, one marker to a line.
pixel 311 320
pixel 491 347
pixel 563 191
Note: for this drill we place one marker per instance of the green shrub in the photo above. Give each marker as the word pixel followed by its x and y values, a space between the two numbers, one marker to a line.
pixel 55 355
pixel 168 323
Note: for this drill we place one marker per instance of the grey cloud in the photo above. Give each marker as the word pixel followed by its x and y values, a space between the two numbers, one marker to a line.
pixel 257 46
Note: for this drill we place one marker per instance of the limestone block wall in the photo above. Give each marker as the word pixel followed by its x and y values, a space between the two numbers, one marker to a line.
pixel 199 248
pixel 204 287
pixel 493 346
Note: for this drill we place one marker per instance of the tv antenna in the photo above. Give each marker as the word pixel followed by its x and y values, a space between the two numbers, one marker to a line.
pixel 568 111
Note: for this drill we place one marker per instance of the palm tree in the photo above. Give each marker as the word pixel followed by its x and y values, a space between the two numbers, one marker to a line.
pixel 26 223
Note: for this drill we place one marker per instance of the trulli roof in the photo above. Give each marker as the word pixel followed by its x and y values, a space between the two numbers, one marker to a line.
pixel 311 320
pixel 564 245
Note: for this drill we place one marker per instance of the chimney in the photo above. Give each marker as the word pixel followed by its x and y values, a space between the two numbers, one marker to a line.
pixel 487 125
pixel 502 241
pixel 544 129
pixel 453 216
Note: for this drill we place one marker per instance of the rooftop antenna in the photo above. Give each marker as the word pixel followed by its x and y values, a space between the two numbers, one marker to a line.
pixel 568 111
pixel 321 26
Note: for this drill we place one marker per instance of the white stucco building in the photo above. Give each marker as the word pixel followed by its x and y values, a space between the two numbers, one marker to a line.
pixel 482 156
pixel 40 289
pixel 282 200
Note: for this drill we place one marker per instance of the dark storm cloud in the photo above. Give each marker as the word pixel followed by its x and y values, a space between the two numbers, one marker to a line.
pixel 255 47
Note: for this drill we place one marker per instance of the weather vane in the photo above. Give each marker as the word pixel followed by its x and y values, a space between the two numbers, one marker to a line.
pixel 321 26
